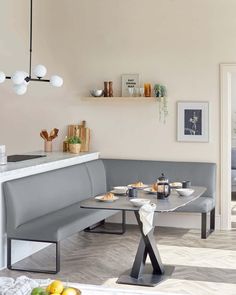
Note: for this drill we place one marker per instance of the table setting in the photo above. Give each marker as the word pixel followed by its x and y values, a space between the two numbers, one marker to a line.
pixel 144 200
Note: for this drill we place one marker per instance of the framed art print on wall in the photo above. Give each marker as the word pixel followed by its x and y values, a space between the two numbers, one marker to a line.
pixel 129 81
pixel 193 121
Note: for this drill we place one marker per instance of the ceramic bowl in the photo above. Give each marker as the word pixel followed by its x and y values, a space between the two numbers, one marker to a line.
pixel 184 192
pixel 139 202
pixel 120 189
pixel 96 92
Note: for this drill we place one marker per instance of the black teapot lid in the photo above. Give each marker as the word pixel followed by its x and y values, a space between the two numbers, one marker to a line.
pixel 162 178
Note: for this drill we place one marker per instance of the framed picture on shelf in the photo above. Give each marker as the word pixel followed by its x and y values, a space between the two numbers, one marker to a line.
pixel 129 81
pixel 193 121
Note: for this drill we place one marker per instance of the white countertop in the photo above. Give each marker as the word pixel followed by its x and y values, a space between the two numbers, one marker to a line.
pixel 53 160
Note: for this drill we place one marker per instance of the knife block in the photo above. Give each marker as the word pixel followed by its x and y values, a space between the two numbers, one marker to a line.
pixel 83 132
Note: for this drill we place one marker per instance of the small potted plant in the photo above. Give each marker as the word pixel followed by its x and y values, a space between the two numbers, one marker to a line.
pixel 74 144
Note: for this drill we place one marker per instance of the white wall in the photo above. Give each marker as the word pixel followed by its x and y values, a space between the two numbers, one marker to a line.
pixel 233 109
pixel 179 43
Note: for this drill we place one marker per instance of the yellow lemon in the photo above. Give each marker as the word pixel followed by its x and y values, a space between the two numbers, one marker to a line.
pixel 56 287
pixel 48 288
pixel 69 291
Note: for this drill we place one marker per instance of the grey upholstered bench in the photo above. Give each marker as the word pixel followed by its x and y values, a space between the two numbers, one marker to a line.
pixel 122 172
pixel 46 207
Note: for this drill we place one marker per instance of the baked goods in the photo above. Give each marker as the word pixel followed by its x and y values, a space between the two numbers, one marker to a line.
pixel 176 184
pixel 137 184
pixel 108 197
pixel 154 188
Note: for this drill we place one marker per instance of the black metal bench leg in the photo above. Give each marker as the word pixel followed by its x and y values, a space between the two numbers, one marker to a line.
pixel 96 229
pixel 212 219
pixel 11 267
pixel 204 226
pixel 204 232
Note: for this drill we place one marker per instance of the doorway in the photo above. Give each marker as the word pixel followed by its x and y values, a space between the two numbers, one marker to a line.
pixel 228 95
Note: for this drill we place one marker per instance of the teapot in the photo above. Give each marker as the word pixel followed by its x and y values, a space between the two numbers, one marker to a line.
pixel 163 187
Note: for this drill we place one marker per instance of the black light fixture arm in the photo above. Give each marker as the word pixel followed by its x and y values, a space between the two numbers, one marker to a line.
pixel 21 78
pixel 31 37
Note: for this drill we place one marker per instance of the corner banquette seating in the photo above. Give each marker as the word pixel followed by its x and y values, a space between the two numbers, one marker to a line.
pixel 46 207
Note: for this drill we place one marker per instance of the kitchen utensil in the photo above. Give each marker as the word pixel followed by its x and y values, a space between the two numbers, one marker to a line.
pixel 96 92
pixel 132 192
pixel 121 190
pixel 44 134
pixel 186 184
pixel 106 89
pixel 53 134
pixel 110 89
pixel 163 187
pixel 139 202
pixel 184 192
pixel 48 146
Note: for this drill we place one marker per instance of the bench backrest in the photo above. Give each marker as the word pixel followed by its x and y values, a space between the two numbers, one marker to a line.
pixel 37 195
pixel 123 172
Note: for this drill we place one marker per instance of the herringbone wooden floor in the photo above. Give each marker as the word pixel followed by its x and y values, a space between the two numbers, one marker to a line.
pixel 202 267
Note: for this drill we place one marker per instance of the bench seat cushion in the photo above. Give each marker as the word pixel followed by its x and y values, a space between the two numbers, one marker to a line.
pixel 60 224
pixel 201 205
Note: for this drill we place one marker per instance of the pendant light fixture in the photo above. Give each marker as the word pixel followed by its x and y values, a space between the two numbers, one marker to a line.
pixel 22 79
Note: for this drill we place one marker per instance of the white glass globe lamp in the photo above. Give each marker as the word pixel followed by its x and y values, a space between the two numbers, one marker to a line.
pixel 2 77
pixel 40 71
pixel 56 81
pixel 20 89
pixel 18 77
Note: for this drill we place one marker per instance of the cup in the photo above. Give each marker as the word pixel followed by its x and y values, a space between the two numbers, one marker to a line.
pixel 141 91
pixel 131 91
pixel 136 92
pixel 147 90
pixel 186 184
pixel 132 192
pixel 3 160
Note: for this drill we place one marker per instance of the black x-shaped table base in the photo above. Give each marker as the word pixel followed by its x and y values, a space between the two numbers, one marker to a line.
pixel 141 275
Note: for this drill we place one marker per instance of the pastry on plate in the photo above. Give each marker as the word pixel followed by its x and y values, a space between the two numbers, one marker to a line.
pixel 154 188
pixel 137 184
pixel 108 197
pixel 176 184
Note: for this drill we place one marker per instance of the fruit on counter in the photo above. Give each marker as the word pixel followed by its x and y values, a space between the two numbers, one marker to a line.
pixel 39 291
pixel 69 291
pixel 56 287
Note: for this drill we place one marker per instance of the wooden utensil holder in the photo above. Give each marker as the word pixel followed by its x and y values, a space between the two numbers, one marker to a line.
pixel 48 146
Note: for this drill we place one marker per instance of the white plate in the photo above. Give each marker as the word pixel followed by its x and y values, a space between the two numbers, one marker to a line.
pixel 100 199
pixel 118 193
pixel 139 187
pixel 139 202
pixel 148 190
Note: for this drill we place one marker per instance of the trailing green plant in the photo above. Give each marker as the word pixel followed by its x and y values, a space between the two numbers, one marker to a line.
pixel 161 95
pixel 74 140
pixel 160 90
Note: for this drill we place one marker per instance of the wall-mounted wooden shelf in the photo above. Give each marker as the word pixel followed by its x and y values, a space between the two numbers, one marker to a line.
pixel 148 99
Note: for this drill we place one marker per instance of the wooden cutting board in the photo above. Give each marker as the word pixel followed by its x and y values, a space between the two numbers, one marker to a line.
pixel 83 132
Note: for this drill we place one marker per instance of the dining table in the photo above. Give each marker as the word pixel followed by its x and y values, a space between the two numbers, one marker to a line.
pixel 142 273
